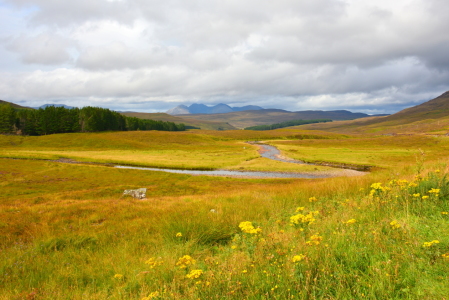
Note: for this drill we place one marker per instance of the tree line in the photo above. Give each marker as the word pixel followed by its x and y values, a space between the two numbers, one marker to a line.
pixel 287 124
pixel 53 119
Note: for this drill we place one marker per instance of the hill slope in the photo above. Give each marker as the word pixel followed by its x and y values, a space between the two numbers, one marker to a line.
pixel 14 105
pixel 203 124
pixel 429 117
pixel 249 118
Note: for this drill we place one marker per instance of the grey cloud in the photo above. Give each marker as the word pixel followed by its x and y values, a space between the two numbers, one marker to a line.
pixel 65 13
pixel 44 48
pixel 322 54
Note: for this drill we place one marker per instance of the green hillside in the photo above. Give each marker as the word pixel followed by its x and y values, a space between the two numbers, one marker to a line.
pixel 243 119
pixel 14 105
pixel 429 117
pixel 202 124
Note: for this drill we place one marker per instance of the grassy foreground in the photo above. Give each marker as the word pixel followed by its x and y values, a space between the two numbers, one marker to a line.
pixel 66 232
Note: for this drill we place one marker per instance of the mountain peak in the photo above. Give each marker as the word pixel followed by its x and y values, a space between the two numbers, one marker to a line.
pixel 179 110
pixel 198 108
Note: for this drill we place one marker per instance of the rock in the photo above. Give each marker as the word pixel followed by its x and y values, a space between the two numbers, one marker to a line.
pixel 137 194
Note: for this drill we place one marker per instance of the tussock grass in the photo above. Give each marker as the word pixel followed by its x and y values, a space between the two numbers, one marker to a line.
pixel 381 151
pixel 67 233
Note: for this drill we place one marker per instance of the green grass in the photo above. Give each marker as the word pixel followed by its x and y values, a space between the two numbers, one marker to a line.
pixel 383 151
pixel 66 232
pixel 183 150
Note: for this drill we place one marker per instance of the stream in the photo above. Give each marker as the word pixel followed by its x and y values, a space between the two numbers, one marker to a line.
pixel 266 151
pixel 229 173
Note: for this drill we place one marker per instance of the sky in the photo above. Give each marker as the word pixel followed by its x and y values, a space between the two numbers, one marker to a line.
pixel 371 56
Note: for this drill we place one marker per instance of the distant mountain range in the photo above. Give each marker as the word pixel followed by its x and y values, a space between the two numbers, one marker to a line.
pixel 204 109
pixel 243 119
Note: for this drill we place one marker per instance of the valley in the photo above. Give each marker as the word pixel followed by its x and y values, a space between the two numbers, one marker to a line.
pixel 68 232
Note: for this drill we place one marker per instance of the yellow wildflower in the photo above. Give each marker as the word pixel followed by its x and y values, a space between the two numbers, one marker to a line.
pixel 184 261
pixel 194 274
pixel 314 240
pixel 118 276
pixel 297 258
pixel 425 197
pixel 152 295
pixel 417 195
pixel 300 208
pixel 430 244
pixel 249 228
pixel 394 224
pixel 377 186
pixel 445 255
pixel 445 213
pixel 313 199
pixel 435 191
pixel 300 218
pixel 154 262
pixel 179 234
pixel 351 221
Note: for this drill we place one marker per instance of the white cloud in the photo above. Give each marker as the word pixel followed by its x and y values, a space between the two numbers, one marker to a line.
pixel 44 48
pixel 292 54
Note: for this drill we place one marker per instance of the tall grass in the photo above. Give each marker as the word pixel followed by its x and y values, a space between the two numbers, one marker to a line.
pixel 67 233
pixel 368 240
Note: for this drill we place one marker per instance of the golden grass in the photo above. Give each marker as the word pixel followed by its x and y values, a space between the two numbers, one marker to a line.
pixel 67 233
pixel 385 152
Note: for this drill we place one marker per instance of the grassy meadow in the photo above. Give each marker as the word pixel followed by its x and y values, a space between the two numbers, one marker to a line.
pixel 66 231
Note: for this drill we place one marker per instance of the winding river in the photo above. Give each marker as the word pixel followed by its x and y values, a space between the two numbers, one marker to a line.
pixel 266 151
pixel 229 173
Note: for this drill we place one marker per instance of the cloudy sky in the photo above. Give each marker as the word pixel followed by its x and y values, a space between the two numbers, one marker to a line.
pixel 372 56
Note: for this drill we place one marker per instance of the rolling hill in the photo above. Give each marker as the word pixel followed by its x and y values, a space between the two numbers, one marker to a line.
pixel 192 123
pixel 429 117
pixel 243 119
pixel 14 105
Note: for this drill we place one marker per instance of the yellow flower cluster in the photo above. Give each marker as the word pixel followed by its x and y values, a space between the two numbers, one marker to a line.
pixel 297 258
pixel 445 255
pixel 436 192
pixel 313 199
pixel 185 261
pixel 378 186
pixel 394 224
pixel 417 195
pixel 179 234
pixel 152 295
pixel 300 218
pixel 300 208
pixel 430 244
pixel 399 182
pixel 154 262
pixel 194 274
pixel 351 221
pixel 249 228
pixel 314 240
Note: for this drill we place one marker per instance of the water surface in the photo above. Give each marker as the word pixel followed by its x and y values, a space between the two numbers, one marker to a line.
pixel 228 173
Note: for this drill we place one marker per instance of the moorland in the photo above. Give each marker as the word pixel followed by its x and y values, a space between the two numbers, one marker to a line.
pixel 67 231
